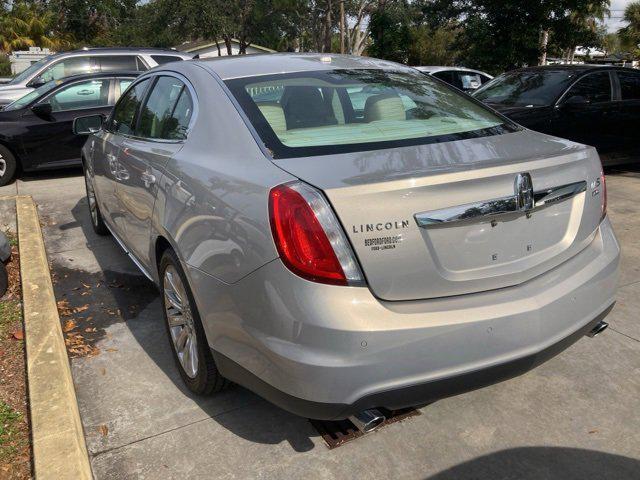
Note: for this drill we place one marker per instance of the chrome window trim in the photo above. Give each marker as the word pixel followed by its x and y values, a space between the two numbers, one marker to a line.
pixel 499 206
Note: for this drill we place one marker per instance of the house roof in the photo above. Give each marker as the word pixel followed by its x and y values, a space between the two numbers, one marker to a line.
pixel 196 45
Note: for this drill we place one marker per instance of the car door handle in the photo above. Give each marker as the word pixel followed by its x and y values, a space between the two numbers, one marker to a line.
pixel 148 178
pixel 85 92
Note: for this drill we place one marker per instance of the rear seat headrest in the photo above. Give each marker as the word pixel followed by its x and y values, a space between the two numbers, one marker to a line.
pixel 385 106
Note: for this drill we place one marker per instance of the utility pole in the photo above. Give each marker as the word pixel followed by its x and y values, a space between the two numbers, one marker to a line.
pixel 342 27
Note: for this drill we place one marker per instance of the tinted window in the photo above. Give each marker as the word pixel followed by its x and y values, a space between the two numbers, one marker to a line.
pixel 125 110
pixel 374 109
pixel 629 85
pixel 177 126
pixel 31 96
pixel 156 114
pixel 595 87
pixel 162 59
pixel 110 63
pixel 445 76
pixel 524 88
pixel 67 67
pixel 88 94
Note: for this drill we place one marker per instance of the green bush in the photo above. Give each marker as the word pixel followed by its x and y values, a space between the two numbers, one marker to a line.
pixel 5 66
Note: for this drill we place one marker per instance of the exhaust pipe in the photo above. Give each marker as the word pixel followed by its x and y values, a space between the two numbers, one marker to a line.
pixel 367 420
pixel 599 328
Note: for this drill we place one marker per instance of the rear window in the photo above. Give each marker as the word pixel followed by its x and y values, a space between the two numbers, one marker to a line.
pixel 162 59
pixel 528 88
pixel 337 111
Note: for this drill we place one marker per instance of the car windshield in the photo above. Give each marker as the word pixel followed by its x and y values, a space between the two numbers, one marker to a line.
pixel 337 111
pixel 31 96
pixel 533 88
pixel 31 70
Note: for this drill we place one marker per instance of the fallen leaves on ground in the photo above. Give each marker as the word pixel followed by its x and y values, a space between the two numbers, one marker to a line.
pixel 104 430
pixel 77 346
pixel 18 334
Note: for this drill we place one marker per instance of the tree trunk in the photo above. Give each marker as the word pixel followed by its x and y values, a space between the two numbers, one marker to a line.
pixel 342 26
pixel 227 42
pixel 218 46
pixel 544 41
pixel 327 28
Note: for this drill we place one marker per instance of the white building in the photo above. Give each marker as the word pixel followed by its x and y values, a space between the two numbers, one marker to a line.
pixel 21 60
pixel 208 48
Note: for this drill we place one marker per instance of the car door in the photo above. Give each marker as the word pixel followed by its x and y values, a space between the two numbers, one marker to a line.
pixel 107 170
pixel 627 117
pixel 48 138
pixel 161 129
pixel 585 111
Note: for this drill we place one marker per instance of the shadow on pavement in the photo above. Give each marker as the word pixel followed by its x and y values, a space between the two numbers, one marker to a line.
pixel 121 297
pixel 537 463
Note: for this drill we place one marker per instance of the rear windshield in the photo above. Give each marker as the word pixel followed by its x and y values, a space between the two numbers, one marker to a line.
pixel 337 111
pixel 526 89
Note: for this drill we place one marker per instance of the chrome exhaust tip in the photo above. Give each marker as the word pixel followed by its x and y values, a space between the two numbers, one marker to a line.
pixel 599 328
pixel 367 420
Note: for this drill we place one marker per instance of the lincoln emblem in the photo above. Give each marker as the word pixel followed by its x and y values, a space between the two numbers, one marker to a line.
pixel 524 192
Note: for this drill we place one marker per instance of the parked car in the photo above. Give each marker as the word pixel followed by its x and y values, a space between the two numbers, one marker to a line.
pixel 464 79
pixel 595 105
pixel 86 60
pixel 36 130
pixel 342 261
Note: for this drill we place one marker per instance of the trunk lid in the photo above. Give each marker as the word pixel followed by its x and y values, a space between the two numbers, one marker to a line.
pixel 378 194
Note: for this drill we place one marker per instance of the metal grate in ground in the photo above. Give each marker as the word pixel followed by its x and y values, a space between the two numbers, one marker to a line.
pixel 340 432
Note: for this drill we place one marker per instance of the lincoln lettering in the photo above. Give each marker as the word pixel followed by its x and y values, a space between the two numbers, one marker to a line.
pixel 381 226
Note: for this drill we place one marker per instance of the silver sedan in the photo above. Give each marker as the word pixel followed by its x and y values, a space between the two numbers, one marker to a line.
pixel 347 236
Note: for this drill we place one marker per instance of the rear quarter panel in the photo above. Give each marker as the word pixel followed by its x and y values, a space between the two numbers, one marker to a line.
pixel 212 202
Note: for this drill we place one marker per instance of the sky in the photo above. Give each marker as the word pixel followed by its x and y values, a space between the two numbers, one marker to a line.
pixel 617 11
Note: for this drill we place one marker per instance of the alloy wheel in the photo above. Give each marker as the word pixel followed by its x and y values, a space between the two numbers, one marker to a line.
pixel 180 319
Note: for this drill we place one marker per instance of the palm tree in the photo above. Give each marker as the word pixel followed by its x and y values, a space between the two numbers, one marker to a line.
pixel 630 35
pixel 26 26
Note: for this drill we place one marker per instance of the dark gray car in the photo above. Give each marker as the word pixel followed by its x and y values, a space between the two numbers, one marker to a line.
pixel 342 234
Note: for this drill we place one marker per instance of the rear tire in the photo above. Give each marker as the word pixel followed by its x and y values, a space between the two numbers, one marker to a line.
pixel 8 166
pixel 4 279
pixel 186 335
pixel 94 211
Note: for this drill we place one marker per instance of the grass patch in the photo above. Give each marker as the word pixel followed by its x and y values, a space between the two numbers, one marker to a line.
pixel 10 315
pixel 11 437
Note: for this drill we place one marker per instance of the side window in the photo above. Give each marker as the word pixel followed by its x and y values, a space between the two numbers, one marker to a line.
pixel 123 84
pixel 629 85
pixel 156 113
pixel 595 87
pixel 176 127
pixel 446 76
pixel 88 94
pixel 67 67
pixel 111 63
pixel 162 59
pixel 125 111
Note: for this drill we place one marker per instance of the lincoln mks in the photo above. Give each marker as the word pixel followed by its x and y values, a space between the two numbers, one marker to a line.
pixel 347 236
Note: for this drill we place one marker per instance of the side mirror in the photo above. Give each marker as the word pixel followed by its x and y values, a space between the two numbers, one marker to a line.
pixel 42 109
pixel 88 124
pixel 36 82
pixel 576 100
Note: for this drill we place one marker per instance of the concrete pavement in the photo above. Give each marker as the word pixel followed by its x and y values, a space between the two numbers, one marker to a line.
pixel 574 417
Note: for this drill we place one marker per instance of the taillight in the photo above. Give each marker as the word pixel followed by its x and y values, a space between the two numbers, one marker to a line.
pixel 309 237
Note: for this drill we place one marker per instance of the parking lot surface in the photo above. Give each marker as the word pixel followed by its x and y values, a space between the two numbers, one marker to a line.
pixel 575 417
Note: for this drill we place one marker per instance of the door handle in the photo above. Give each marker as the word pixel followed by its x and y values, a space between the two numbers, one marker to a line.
pixel 148 178
pixel 85 92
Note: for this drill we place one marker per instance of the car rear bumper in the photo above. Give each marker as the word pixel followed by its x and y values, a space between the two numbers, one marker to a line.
pixel 325 352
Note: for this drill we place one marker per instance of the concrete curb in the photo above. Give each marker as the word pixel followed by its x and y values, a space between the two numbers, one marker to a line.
pixel 59 448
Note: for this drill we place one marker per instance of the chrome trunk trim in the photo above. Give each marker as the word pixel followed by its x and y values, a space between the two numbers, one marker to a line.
pixel 521 201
